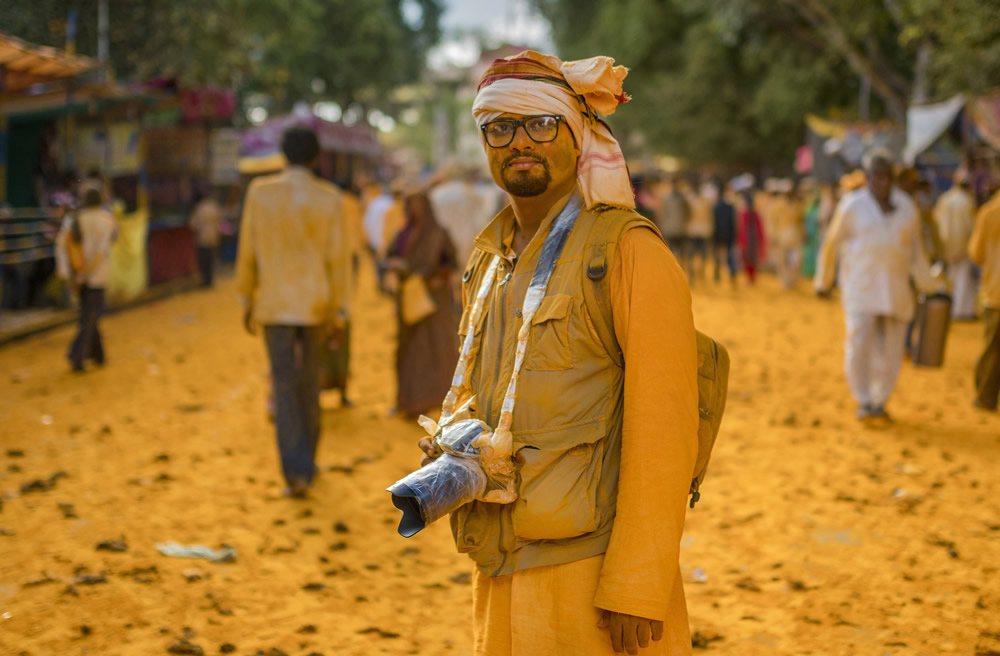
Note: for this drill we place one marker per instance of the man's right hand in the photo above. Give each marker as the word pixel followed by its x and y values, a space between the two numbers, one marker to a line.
pixel 431 452
pixel 249 324
pixel 629 633
pixel 390 281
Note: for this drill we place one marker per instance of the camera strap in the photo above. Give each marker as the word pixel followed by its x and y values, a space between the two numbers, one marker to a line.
pixel 552 248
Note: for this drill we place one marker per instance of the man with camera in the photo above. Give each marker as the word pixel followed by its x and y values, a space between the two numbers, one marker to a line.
pixel 604 429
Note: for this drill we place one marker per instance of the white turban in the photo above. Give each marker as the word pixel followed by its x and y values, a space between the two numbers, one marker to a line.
pixel 583 92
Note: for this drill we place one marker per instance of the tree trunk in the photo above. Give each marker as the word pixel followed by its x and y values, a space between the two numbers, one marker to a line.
pixel 819 16
pixel 922 72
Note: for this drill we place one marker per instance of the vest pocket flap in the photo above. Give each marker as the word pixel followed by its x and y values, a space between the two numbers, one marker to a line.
pixel 562 438
pixel 552 307
pixel 706 356
pixel 560 475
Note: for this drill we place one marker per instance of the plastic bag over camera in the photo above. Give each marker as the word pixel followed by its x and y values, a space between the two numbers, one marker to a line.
pixel 454 479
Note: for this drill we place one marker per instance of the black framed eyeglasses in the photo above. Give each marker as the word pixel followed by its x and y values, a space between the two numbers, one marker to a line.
pixel 541 129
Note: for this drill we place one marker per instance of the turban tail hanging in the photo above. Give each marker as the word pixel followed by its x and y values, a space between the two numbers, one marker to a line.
pixel 583 91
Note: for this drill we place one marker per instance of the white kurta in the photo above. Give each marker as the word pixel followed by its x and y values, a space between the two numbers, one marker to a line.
pixel 374 221
pixel 878 253
pixel 97 227
pixel 954 214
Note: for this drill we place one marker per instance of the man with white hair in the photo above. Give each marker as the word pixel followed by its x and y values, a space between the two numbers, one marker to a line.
pixel 585 560
pixel 875 234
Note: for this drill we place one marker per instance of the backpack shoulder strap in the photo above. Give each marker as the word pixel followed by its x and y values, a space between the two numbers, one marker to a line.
pixel 607 229
pixel 713 359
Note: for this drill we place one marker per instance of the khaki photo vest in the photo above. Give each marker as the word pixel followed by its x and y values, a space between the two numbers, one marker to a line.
pixel 567 424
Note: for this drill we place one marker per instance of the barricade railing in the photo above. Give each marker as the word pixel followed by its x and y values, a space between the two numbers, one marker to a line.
pixel 28 234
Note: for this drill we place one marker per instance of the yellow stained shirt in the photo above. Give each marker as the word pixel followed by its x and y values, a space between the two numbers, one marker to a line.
pixel 555 609
pixel 984 249
pixel 293 265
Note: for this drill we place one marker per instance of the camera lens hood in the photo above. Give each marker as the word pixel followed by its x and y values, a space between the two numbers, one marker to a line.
pixel 436 489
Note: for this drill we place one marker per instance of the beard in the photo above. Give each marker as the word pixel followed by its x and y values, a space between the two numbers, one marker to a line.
pixel 525 183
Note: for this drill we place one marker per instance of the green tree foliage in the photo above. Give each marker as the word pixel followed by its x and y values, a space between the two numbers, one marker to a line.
pixel 358 49
pixel 729 81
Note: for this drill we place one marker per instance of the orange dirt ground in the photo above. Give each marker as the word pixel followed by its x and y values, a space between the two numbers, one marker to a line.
pixel 813 536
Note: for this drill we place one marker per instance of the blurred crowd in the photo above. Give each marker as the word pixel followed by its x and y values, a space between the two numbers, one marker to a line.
pixel 896 250
pixel 419 232
pixel 777 225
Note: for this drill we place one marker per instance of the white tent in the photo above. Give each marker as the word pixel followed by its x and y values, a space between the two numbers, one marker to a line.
pixel 925 123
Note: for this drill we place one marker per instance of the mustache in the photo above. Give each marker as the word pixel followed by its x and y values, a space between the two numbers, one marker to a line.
pixel 538 158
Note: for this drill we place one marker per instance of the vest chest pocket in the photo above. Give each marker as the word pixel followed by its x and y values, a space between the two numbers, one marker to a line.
pixel 548 344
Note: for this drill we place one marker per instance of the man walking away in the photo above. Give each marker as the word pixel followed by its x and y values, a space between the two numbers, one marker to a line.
pixel 724 236
pixel 699 231
pixel 205 224
pixel 673 219
pixel 293 271
pixel 786 224
pixel 92 233
pixel 984 249
pixel 954 214
pixel 875 232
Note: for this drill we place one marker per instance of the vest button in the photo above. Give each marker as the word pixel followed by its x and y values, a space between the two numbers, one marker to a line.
pixel 519 313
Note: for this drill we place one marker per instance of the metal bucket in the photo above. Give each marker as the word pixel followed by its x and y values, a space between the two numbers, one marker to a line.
pixel 930 330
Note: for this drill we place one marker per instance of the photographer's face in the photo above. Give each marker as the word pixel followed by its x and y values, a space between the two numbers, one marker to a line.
pixel 525 168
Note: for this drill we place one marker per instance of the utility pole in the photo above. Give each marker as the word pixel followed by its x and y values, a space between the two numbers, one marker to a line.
pixel 103 49
pixel 865 99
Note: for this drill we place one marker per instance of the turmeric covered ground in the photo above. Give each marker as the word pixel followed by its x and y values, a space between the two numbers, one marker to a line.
pixel 813 536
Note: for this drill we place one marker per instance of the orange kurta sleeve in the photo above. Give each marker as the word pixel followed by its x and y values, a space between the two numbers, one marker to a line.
pixel 651 305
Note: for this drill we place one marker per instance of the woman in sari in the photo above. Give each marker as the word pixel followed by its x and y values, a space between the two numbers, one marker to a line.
pixel 421 262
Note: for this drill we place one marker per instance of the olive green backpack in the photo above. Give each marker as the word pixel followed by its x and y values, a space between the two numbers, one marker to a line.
pixel 713 359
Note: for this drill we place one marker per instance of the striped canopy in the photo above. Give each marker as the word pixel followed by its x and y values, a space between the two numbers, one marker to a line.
pixel 23 64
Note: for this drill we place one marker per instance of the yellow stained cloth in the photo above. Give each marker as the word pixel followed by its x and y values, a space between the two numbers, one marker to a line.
pixel 553 609
pixel 293 264
pixel 594 84
pixel 128 275
pixel 984 249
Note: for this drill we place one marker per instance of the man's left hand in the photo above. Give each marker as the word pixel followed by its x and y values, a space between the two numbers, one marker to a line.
pixel 249 324
pixel 628 632
pixel 335 333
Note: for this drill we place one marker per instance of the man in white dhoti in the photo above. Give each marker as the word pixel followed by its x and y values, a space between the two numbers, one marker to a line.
pixel 875 233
